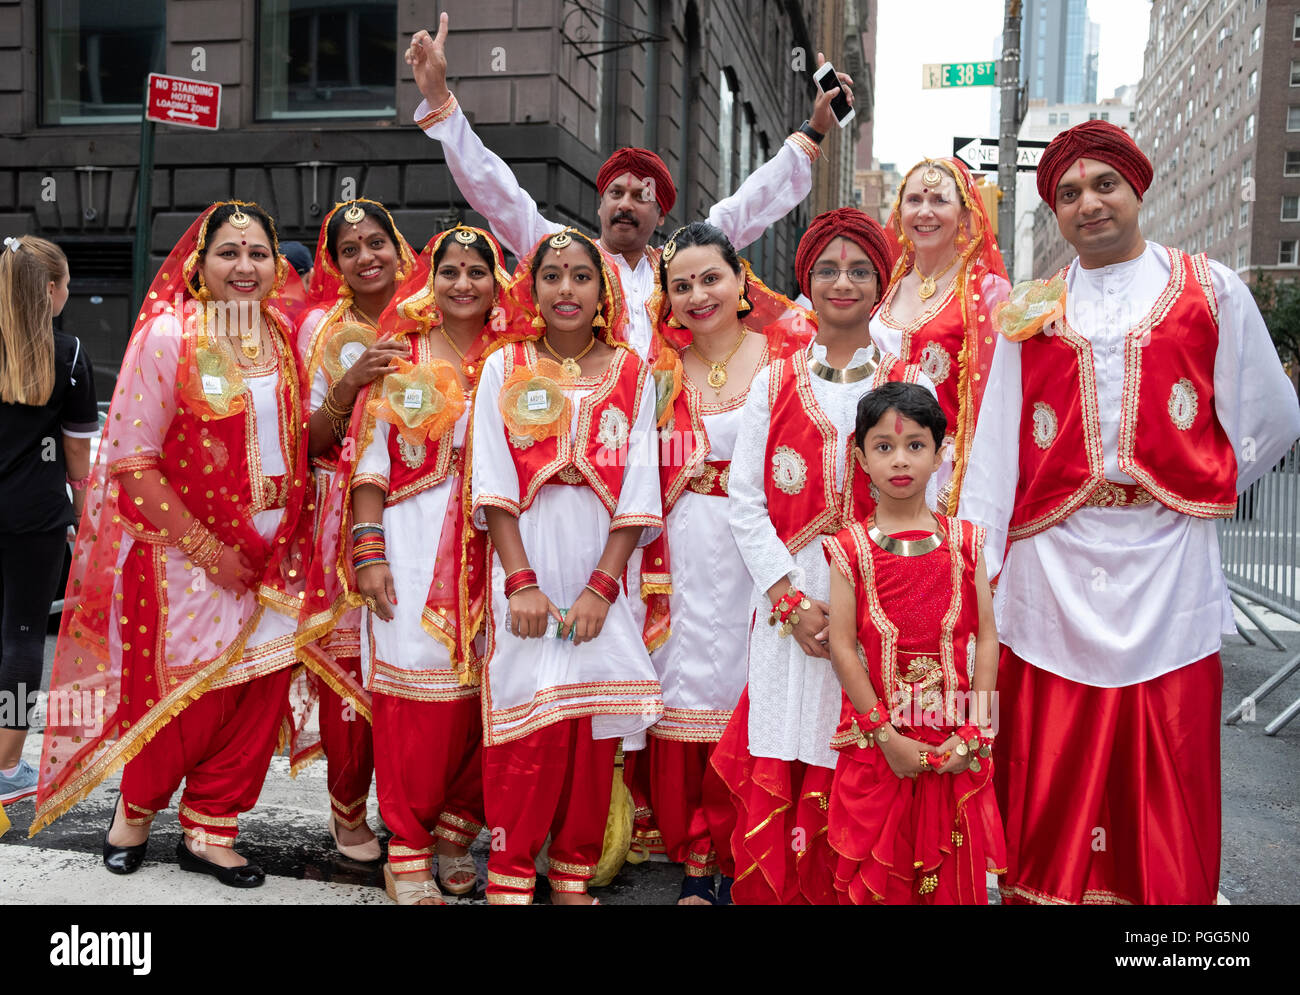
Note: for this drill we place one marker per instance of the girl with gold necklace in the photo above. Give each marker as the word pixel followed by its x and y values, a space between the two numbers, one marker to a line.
pixel 793 480
pixel 361 258
pixel 938 310
pixel 718 326
pixel 565 483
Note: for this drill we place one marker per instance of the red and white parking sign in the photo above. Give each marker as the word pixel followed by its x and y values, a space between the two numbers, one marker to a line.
pixel 191 103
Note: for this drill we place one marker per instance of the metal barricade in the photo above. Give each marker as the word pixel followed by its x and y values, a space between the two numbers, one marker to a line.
pixel 1260 550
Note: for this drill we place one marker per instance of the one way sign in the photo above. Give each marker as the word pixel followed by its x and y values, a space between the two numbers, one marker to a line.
pixel 982 153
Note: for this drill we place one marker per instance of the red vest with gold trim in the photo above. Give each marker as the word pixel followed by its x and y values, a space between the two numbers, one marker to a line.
pixel 1170 439
pixel 605 419
pixel 800 460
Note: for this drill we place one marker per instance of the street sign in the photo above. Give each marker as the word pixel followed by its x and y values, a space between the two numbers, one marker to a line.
pixel 937 75
pixel 190 103
pixel 982 153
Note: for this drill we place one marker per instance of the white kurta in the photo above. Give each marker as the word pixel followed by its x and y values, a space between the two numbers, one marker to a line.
pixel 202 620
pixel 404 660
pixel 531 683
pixel 794 699
pixel 1115 596
pixel 702 663
pixel 768 194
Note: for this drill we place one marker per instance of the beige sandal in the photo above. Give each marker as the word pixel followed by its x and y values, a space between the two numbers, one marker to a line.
pixel 410 892
pixel 448 866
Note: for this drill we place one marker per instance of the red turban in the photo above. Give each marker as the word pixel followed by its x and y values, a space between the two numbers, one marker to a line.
pixel 646 167
pixel 1098 140
pixel 847 222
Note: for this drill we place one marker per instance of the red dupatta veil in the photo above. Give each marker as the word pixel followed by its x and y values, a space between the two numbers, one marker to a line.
pixel 88 734
pixel 979 258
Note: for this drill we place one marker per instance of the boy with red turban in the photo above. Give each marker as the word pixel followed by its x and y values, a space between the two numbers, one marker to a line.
pixel 634 187
pixel 1110 439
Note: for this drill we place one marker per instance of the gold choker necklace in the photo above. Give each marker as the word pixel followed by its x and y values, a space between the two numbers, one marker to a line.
pixel 904 547
pixel 849 375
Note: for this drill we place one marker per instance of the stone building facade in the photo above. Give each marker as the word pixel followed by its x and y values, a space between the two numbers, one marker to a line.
pixel 317 103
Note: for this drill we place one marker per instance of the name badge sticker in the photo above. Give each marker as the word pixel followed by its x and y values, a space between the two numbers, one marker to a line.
pixel 537 400
pixel 413 398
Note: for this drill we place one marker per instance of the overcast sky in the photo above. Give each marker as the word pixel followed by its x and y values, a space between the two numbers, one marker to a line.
pixel 912 123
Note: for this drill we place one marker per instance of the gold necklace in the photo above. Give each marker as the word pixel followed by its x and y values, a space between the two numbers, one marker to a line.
pixel 848 375
pixel 452 342
pixel 356 309
pixel 903 547
pixel 570 365
pixel 927 288
pixel 718 370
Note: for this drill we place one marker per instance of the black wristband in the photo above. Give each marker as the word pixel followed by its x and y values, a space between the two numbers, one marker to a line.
pixel 811 132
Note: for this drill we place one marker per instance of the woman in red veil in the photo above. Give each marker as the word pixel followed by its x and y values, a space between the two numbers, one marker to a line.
pixel 565 482
pixel 718 325
pixel 395 532
pixel 178 630
pixel 361 259
pixel 948 276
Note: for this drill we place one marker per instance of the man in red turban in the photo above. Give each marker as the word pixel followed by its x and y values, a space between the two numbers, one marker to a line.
pixel 1093 176
pixel 634 187
pixel 1107 445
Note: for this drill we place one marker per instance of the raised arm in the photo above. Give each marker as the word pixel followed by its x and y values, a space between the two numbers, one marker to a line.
pixel 775 188
pixel 484 180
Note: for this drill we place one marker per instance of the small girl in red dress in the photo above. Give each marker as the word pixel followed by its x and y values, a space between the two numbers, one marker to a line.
pixel 912 817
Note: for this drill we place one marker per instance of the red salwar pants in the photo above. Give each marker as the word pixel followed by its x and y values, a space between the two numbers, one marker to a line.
pixel 428 768
pixel 557 780
pixel 1110 795
pixel 778 849
pixel 688 799
pixel 646 836
pixel 346 738
pixel 221 745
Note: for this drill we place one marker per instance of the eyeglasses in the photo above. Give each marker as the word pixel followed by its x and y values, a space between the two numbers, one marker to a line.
pixel 829 274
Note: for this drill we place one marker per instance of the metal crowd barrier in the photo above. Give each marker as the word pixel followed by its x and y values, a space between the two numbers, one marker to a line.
pixel 1260 549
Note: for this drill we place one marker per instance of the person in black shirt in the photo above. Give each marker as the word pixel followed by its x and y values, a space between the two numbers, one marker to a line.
pixel 47 419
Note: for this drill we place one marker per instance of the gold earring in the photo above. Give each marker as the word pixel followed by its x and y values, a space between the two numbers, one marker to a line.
pixel 742 305
pixel 673 322
pixel 539 322
pixel 598 321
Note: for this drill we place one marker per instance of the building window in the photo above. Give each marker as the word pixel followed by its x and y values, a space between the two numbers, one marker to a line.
pixel 1290 208
pixel 1248 131
pixel 1292 165
pixel 1254 36
pixel 326 60
pixel 1244 220
pixel 1293 119
pixel 1051 118
pixel 726 131
pixel 1252 81
pixel 1065 118
pixel 1241 257
pixel 95 57
pixel 1295 30
pixel 1286 250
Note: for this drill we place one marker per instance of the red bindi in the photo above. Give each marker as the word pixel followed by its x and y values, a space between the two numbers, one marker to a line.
pixel 898 424
pixel 1080 169
pixel 566 265
pixel 692 276
pixel 844 250
pixel 243 243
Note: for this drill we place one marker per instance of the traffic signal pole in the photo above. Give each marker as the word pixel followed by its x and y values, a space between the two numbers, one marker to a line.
pixel 1009 85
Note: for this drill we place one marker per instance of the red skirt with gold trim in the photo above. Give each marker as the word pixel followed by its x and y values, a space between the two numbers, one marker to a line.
pixel 779 840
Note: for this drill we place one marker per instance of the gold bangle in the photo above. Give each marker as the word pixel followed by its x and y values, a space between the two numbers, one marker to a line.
pixel 439 113
pixel 333 409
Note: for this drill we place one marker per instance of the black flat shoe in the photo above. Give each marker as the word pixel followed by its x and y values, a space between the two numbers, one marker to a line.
pixel 122 859
pixel 244 876
pixel 694 887
pixel 724 890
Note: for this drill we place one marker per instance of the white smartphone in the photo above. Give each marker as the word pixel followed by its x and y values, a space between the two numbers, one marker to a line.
pixel 826 79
